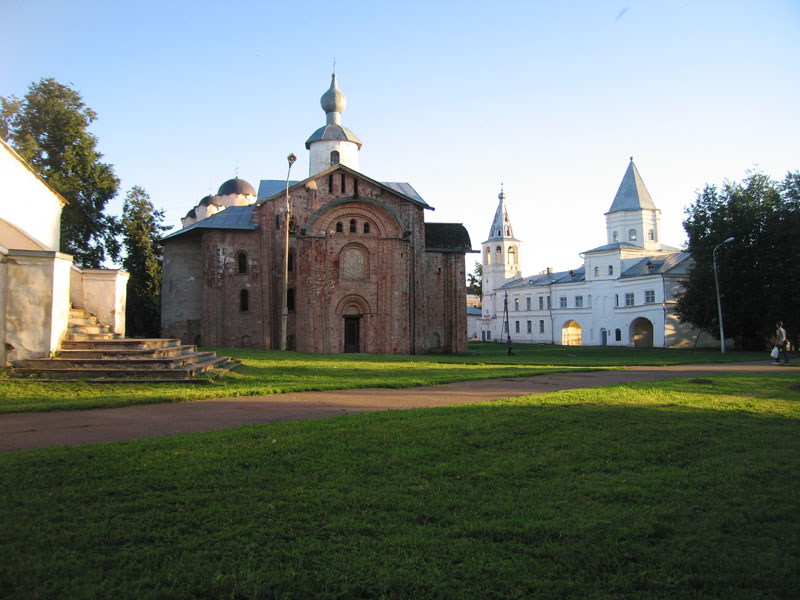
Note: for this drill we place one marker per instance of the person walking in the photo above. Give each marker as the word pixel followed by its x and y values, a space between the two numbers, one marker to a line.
pixel 780 343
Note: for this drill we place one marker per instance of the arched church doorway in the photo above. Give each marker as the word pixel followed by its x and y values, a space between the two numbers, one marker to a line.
pixel 352 333
pixel 571 334
pixel 642 333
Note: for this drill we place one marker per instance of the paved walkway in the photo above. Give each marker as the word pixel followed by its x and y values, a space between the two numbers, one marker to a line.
pixel 26 431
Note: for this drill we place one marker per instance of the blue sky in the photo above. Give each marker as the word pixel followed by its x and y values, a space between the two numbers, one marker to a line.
pixel 548 98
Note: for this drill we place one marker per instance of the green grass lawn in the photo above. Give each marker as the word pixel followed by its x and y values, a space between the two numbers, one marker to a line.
pixel 672 489
pixel 274 372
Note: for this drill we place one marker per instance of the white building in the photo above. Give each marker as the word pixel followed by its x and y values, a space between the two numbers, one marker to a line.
pixel 623 295
pixel 39 284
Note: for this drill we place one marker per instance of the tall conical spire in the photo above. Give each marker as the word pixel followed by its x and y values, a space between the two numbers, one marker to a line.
pixel 501 224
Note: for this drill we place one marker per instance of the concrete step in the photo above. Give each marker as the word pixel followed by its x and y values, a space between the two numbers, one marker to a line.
pixel 119 343
pixel 222 364
pixel 126 364
pixel 103 351
pixel 88 329
pixel 90 337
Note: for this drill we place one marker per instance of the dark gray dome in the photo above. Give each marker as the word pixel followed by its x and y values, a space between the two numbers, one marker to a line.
pixel 236 186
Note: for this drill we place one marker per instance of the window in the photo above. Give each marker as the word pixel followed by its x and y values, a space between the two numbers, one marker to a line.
pixel 516 326
pixel 241 262
pixel 343 183
pixel 505 327
pixel 366 227
pixel 618 335
pixel 541 326
pixel 290 266
pixel 629 299
pixel 483 336
pixel 488 257
pixel 541 302
pixel 632 235
pixel 548 303
pixel 610 269
pixel 512 256
pixel 244 301
pixel 528 303
pixel 597 271
pixel 649 296
pixel 651 235
pixel 616 299
pixel 615 236
pixel 352 225
pixel 277 222
pixel 330 183
pixel 578 301
pixel 499 252
pixel 530 329
pixel 355 186
pixel 339 228
pixel 335 157
pixel 562 302
pixel 489 335
pixel 516 304
pixel 290 299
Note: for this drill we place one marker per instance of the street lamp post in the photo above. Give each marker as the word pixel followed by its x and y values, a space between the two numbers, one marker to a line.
pixel 288 215
pixel 719 302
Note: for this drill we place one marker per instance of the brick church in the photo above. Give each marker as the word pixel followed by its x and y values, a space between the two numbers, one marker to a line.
pixel 366 273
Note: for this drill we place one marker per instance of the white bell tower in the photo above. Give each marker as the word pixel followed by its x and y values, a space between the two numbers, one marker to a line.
pixel 499 257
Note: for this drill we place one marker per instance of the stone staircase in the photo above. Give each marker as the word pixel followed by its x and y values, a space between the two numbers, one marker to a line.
pixel 91 351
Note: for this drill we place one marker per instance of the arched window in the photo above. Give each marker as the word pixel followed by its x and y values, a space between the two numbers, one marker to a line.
pixel 339 228
pixel 244 301
pixel 366 227
pixel 499 252
pixel 632 235
pixel 241 262
pixel 335 157
pixel 651 235
pixel 488 256
pixel 610 269
pixel 352 225
pixel 618 335
pixel 616 236
pixel 597 271
pixel 512 256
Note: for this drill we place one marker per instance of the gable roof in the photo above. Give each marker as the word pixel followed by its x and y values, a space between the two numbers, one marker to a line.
pixel 632 194
pixel 269 188
pixel 656 265
pixel 233 217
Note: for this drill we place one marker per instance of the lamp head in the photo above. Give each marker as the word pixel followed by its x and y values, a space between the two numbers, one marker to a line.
pixel 291 158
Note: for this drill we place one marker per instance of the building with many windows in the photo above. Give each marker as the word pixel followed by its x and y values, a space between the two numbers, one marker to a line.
pixel 623 295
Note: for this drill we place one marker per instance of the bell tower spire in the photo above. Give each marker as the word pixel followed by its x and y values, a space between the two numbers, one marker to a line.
pixel 500 252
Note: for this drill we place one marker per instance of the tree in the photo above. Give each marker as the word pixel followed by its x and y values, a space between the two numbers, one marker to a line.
pixel 758 273
pixel 49 129
pixel 142 228
pixel 475 280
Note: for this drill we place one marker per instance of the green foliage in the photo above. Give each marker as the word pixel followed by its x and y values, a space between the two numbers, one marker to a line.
pixel 759 273
pixel 49 129
pixel 142 229
pixel 475 280
pixel 659 490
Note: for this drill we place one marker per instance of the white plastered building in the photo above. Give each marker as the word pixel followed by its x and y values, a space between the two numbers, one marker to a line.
pixel 623 295
pixel 39 284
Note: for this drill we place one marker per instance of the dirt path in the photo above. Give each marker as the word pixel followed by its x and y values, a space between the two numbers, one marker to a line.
pixel 26 431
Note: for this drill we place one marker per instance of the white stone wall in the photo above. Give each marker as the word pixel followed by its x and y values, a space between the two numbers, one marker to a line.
pixel 105 295
pixel 27 202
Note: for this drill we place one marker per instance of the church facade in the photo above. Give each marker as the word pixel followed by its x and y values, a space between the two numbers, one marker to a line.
pixel 623 295
pixel 365 272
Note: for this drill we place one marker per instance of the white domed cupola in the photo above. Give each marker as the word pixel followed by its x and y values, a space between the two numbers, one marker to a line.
pixel 332 144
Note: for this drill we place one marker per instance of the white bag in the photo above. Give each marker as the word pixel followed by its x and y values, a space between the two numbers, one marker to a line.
pixel 775 352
